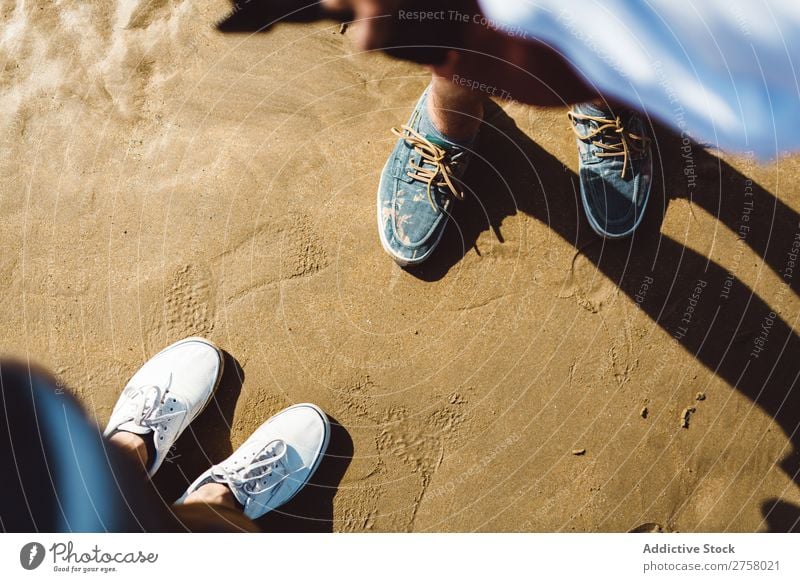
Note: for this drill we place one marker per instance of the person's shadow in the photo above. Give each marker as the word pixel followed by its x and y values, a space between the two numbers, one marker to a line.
pixel 732 331
pixel 781 516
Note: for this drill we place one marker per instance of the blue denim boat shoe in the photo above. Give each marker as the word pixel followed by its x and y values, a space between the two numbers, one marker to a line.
pixel 615 168
pixel 421 179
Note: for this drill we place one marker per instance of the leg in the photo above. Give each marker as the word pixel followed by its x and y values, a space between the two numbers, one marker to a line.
pixel 213 508
pixel 157 405
pixel 456 111
pixel 210 509
pixel 133 446
pixel 615 158
pixel 58 474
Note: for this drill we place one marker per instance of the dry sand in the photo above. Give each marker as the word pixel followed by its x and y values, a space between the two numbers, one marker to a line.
pixel 161 180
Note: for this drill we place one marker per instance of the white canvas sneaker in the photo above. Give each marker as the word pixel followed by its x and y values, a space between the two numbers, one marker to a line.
pixel 275 462
pixel 167 393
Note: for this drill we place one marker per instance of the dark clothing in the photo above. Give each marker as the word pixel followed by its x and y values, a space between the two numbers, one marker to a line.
pixel 58 474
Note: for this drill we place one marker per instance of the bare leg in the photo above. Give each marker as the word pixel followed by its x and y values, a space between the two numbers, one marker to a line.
pixel 213 494
pixel 212 508
pixel 456 111
pixel 133 446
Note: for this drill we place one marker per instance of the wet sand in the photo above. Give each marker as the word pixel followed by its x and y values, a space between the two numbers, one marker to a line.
pixel 162 180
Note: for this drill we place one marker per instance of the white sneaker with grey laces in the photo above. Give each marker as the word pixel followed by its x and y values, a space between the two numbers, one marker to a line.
pixel 167 393
pixel 275 462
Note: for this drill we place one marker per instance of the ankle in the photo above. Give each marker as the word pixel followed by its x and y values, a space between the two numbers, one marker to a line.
pixel 455 111
pixel 213 494
pixel 133 445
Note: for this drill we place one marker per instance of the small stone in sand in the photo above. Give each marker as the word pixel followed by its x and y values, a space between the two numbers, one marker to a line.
pixel 687 412
pixel 342 28
pixel 700 396
pixel 578 452
pixel 647 528
pixel 644 412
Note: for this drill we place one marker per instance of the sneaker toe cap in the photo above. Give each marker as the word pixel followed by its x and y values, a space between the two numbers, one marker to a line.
pixel 305 429
pixel 191 367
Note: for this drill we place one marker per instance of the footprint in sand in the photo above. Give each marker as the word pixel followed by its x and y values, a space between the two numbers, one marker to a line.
pixel 188 306
pixel 420 442
pixel 648 528
pixel 302 251
pixel 587 285
pixel 357 508
pixel 356 396
pixel 280 250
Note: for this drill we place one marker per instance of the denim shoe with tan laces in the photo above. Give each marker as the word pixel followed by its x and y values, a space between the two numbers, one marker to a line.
pixel 615 168
pixel 418 184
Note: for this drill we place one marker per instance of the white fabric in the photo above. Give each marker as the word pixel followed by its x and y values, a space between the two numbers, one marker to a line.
pixel 725 72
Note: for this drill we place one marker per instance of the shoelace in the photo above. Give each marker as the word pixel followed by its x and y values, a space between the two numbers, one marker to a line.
pixel 267 463
pixel 433 155
pixel 146 405
pixel 608 129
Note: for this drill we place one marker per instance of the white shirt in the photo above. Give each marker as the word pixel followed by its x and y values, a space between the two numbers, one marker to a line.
pixel 724 72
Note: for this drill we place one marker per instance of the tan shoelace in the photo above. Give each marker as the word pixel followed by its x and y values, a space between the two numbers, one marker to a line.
pixel 627 143
pixel 433 155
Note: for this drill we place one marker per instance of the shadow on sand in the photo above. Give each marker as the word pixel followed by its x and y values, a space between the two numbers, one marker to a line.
pixel 516 175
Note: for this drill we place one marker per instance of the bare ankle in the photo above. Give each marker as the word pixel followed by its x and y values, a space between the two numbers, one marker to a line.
pixel 213 494
pixel 455 111
pixel 132 445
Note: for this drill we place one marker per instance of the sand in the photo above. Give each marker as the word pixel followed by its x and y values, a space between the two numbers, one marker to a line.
pixel 161 180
